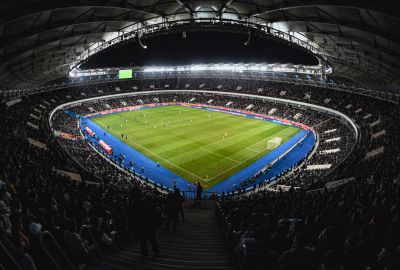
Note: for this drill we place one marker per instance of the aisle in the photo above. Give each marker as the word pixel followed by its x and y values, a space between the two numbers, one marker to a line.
pixel 197 245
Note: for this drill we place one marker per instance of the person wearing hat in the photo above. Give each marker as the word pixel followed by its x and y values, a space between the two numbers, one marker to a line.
pixel 35 228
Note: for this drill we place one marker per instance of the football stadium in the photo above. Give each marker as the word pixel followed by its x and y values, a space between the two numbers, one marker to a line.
pixel 200 135
pixel 231 144
pixel 221 148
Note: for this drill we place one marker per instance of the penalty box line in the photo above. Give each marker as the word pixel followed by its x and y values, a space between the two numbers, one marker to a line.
pixel 170 162
pixel 214 153
pixel 244 161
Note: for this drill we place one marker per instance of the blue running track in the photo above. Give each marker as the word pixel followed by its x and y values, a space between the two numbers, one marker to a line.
pixel 167 178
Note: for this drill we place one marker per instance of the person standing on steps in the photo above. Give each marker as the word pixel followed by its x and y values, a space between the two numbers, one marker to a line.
pixel 142 220
pixel 179 200
pixel 171 211
pixel 199 191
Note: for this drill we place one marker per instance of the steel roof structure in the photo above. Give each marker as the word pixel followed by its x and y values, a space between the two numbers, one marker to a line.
pixel 41 40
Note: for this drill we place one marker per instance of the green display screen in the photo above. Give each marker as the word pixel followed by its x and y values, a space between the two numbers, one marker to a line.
pixel 125 74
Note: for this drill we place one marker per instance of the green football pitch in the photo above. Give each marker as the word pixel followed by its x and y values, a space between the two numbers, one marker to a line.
pixel 196 144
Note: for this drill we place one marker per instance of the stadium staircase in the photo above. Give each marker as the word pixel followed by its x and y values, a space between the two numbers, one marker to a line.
pixel 197 245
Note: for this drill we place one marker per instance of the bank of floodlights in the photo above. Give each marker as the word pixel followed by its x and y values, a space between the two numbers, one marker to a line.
pixel 224 68
pixel 236 68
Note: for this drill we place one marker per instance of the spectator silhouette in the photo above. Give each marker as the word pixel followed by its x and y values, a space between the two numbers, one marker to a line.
pixel 179 200
pixel 75 246
pixel 299 257
pixel 351 255
pixel 199 191
pixel 142 220
pixel 171 211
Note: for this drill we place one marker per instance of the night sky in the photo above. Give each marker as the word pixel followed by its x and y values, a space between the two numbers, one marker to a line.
pixel 200 48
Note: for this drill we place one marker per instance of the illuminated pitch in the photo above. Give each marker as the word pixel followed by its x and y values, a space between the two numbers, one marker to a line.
pixel 196 144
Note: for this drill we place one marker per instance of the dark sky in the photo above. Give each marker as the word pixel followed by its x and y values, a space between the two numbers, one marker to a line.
pixel 200 48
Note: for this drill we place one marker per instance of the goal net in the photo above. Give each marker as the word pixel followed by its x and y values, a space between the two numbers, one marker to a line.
pixel 274 143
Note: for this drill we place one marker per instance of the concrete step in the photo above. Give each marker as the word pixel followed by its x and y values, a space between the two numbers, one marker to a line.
pixel 197 245
pixel 152 263
pixel 186 256
pixel 189 261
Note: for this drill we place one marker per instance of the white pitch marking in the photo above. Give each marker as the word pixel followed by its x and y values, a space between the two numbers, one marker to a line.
pixel 138 145
pixel 245 159
pixel 219 155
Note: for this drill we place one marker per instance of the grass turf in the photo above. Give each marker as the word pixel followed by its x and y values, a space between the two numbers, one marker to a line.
pixel 191 142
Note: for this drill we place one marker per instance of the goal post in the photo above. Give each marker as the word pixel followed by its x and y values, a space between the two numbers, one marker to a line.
pixel 274 143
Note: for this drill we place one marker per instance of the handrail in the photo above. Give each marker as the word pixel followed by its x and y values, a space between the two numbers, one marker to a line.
pixel 191 194
pixel 243 256
pixel 8 254
pixel 87 228
pixel 60 250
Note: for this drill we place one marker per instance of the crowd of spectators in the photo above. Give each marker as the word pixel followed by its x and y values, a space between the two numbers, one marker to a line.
pixel 65 122
pixel 50 218
pixel 355 226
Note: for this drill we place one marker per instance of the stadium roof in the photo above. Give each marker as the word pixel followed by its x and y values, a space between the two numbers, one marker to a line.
pixel 42 39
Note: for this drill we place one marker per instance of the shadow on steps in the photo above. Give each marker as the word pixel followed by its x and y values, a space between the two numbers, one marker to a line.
pixel 197 245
